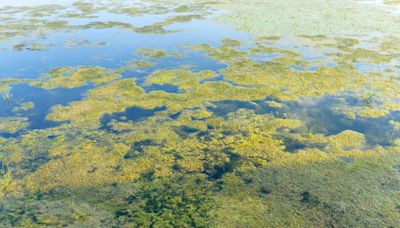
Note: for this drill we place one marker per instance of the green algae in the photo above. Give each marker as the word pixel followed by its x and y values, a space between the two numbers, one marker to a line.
pixel 160 27
pixel 274 104
pixel 142 64
pixel 118 96
pixel 44 20
pixel 26 106
pixel 185 166
pixel 28 46
pixel 125 93
pixel 13 124
pixel 242 143
pixel 4 88
pixel 308 202
pixel 78 43
pixel 252 81
pixel 238 149
pixel 162 7
pixel 189 201
pixel 270 77
pixel 68 78
pixel 153 53
pixel 136 66
pixel 264 18
pixel 183 78
pixel 7 185
pixel 6 84
pixel 95 167
pixel 392 2
pixel 346 140
pixel 52 213
pixel 364 54
pixel 85 7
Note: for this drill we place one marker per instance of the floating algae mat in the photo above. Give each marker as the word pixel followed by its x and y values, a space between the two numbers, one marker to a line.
pixel 200 113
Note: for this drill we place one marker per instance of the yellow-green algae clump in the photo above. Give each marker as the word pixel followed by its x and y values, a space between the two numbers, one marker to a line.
pixel 13 124
pixel 244 79
pixel 186 166
pixel 42 20
pixel 26 106
pixel 310 17
pixel 153 53
pixel 115 97
pixel 239 154
pixel 72 78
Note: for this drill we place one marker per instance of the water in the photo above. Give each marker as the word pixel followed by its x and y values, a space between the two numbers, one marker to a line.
pixel 165 119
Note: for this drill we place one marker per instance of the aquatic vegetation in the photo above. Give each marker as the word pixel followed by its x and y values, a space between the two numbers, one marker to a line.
pixel 315 203
pixel 13 124
pixel 30 47
pixel 6 183
pixel 364 54
pixel 94 167
pixel 118 96
pixel 159 27
pixel 160 149
pixel 42 21
pixel 72 78
pixel 274 104
pixel 186 80
pixel 162 7
pixel 178 202
pixel 24 107
pixel 263 18
pixel 4 88
pixel 85 7
pixel 252 81
pixel 347 140
pixel 392 2
pixel 51 213
pixel 142 64
pixel 275 78
pixel 152 53
pixel 77 43
pixel 274 130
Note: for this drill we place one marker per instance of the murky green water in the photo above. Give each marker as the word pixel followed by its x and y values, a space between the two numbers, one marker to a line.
pixel 200 114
